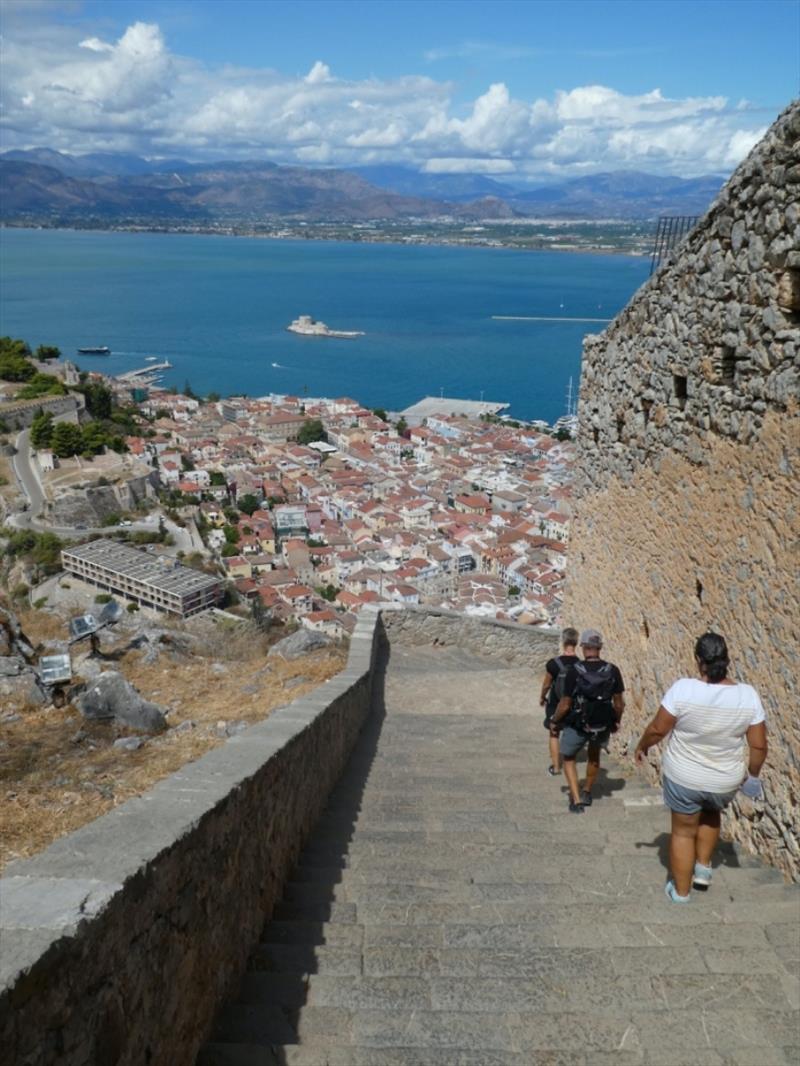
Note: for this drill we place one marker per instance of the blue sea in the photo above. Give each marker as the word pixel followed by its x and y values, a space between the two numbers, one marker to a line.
pixel 217 308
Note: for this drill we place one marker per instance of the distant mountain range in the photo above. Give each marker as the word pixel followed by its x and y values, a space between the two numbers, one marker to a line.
pixel 41 182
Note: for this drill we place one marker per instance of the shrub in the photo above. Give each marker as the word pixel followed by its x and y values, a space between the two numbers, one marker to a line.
pixel 41 602
pixel 102 597
pixel 133 608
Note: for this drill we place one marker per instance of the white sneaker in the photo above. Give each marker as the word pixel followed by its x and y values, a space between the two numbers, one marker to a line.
pixel 702 876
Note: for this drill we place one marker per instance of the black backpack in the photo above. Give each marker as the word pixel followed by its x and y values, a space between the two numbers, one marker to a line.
pixel 556 690
pixel 592 709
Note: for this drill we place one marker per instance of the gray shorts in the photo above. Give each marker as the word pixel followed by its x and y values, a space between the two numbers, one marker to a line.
pixel 572 740
pixel 691 800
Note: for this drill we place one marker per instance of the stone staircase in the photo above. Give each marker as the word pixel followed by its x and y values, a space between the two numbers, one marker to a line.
pixel 449 911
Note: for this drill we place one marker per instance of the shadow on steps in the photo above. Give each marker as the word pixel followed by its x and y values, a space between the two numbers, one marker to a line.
pixel 275 986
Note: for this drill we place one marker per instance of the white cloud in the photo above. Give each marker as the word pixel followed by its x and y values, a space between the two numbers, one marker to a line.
pixel 94 44
pixel 77 92
pixel 318 74
pixel 468 165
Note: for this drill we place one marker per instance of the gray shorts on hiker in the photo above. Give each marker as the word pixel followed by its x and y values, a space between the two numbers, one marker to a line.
pixel 684 800
pixel 573 740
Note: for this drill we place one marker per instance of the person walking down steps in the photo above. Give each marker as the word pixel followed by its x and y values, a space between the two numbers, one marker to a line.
pixel 555 674
pixel 587 714
pixel 711 723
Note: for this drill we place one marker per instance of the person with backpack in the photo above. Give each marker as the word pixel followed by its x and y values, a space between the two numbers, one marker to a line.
pixel 555 674
pixel 590 711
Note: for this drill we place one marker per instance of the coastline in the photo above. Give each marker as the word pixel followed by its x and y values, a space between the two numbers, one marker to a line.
pixel 317 232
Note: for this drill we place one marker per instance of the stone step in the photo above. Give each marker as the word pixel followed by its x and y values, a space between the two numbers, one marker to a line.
pixel 722 1036
pixel 448 910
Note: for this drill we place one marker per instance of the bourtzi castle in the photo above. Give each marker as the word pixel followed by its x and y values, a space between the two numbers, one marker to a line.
pixel 688 513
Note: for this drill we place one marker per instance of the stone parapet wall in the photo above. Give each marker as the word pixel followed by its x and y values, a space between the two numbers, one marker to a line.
pixel 119 942
pixel 687 513
pixel 506 641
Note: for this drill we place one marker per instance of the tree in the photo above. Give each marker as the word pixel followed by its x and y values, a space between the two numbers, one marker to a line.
pixel 380 413
pixel 248 503
pixel 99 399
pixel 261 615
pixel 328 592
pixel 229 550
pixel 513 590
pixel 311 430
pixel 188 391
pixel 47 351
pixel 94 438
pixel 231 534
pixel 217 477
pixel 66 440
pixel 563 434
pixel 42 429
pixel 213 397
pixel 186 463
pixel 41 385
pixel 14 364
pixel 401 426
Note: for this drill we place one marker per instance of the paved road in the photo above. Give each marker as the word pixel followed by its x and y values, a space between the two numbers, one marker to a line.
pixel 27 474
pixel 449 911
pixel 186 539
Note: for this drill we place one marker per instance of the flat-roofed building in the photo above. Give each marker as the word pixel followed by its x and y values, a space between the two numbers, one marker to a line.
pixel 158 582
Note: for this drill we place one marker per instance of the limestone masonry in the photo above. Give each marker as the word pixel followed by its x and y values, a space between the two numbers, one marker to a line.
pixel 688 508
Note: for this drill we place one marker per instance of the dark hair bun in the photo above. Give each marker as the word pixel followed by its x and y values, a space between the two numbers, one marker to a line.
pixel 712 651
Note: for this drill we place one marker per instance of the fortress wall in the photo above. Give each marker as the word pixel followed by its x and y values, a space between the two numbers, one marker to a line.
pixel 687 513
pixel 506 641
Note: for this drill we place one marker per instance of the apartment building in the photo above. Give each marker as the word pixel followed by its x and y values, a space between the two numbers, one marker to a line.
pixel 158 582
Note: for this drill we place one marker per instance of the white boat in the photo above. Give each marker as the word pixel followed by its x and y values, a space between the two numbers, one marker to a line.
pixel 150 358
pixel 307 326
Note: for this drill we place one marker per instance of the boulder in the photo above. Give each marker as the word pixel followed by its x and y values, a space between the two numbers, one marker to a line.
pixel 11 636
pixel 110 696
pixel 128 743
pixel 11 665
pixel 21 688
pixel 299 643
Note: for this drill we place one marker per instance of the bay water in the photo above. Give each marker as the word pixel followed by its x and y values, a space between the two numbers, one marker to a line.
pixel 217 308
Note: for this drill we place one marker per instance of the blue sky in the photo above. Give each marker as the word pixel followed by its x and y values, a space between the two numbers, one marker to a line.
pixel 515 89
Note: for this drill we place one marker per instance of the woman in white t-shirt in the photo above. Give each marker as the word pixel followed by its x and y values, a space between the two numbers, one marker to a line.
pixel 711 723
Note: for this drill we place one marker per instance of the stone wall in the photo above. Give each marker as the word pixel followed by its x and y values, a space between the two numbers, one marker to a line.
pixel 18 414
pixel 687 512
pixel 120 941
pixel 508 641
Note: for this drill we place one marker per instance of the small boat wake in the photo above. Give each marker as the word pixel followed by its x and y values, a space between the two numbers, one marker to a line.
pixel 279 366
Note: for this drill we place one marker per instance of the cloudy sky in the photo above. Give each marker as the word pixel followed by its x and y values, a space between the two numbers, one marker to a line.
pixel 523 89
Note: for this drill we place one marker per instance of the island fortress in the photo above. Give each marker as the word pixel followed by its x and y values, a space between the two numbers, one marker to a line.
pixel 687 510
pixel 307 326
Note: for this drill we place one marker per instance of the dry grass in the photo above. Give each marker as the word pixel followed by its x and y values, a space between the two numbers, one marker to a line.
pixel 8 484
pixel 59 771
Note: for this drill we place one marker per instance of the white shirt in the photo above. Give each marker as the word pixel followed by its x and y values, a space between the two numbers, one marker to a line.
pixel 706 748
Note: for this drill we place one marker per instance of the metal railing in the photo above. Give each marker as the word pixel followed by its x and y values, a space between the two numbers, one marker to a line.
pixel 670 231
